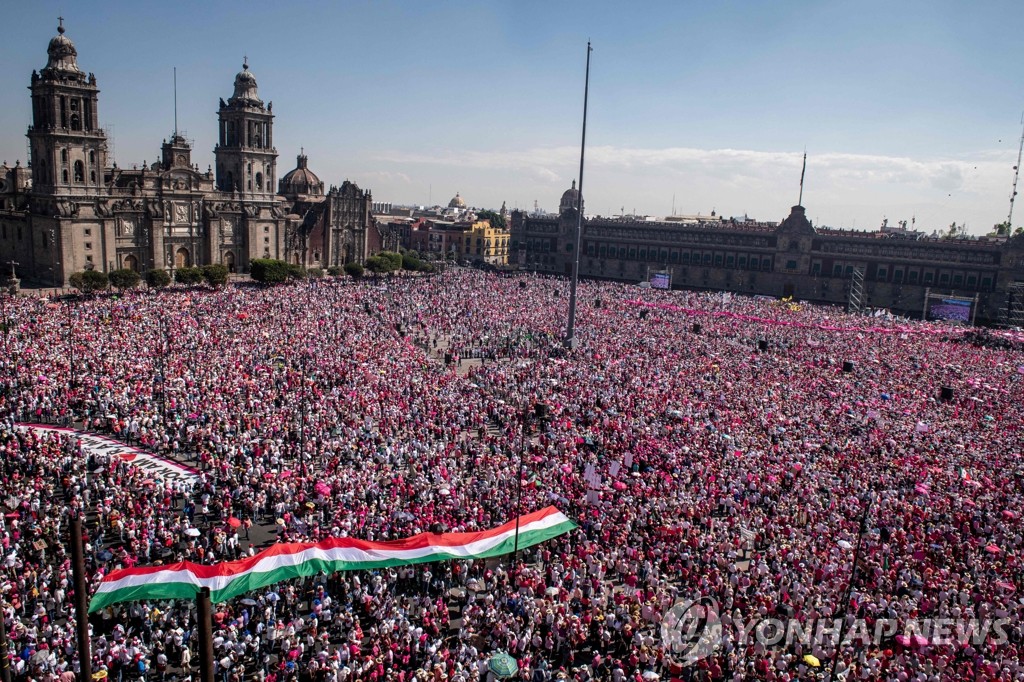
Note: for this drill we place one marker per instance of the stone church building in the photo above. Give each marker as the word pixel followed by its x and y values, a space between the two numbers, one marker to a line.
pixel 70 210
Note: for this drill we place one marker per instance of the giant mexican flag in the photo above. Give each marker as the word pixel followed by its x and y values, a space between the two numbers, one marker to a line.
pixel 293 560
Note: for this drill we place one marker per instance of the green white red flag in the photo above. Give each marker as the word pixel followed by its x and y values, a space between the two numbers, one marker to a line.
pixel 283 561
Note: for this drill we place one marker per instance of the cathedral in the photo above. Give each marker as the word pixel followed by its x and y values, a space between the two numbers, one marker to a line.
pixel 70 210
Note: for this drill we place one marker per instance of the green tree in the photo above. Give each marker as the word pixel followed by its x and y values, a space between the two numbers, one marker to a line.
pixel 215 274
pixel 125 279
pixel 335 271
pixel 412 264
pixel 377 265
pixel 354 270
pixel 188 276
pixel 1003 229
pixel 393 260
pixel 268 270
pixel 296 272
pixel 89 281
pixel 955 231
pixel 157 278
pixel 96 281
pixel 315 273
pixel 496 219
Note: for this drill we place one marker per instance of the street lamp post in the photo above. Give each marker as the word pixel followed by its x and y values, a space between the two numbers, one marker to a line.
pixel 861 532
pixel 302 420
pixel 538 414
pixel 71 347
pixel 164 352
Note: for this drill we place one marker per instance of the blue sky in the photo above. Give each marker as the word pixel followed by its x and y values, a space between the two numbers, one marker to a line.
pixel 906 109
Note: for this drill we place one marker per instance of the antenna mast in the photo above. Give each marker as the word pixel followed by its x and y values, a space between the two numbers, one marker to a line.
pixel 175 101
pixel 1016 175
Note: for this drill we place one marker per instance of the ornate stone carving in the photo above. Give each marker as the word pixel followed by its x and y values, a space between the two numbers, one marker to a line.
pixel 180 213
pixel 127 226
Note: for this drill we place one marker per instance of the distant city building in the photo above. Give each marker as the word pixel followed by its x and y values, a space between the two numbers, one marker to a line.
pixel 72 211
pixel 893 268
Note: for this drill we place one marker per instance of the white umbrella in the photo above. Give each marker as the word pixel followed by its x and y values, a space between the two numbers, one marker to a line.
pixel 192 532
pixel 844 544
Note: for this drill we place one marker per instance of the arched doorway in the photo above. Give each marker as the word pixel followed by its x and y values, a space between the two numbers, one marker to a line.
pixel 229 261
pixel 181 259
pixel 131 263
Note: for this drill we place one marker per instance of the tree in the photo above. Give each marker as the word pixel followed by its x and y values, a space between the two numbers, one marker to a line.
pixel 955 231
pixel 125 279
pixel 377 265
pixel 411 263
pixel 393 260
pixel 354 270
pixel 215 274
pixel 496 219
pixel 1003 229
pixel 188 276
pixel 268 270
pixel 296 272
pixel 335 271
pixel 95 281
pixel 89 281
pixel 157 278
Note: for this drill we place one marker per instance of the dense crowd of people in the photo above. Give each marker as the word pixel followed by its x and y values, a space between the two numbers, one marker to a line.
pixel 708 446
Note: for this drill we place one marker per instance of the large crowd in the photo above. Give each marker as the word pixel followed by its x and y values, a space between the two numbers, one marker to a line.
pixel 707 445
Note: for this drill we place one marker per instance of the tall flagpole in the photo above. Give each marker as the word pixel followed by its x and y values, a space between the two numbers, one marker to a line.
pixel 800 201
pixel 570 332
pixel 175 101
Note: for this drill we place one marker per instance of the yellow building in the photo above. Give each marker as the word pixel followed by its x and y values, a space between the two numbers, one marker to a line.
pixel 483 242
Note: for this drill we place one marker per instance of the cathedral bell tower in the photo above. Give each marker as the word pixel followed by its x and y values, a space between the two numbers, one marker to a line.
pixel 246 158
pixel 69 150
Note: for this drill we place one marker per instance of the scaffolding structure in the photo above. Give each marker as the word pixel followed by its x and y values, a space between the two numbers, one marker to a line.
pixel 1012 312
pixel 855 301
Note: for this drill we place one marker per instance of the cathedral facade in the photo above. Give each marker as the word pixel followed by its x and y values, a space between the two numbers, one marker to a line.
pixel 70 210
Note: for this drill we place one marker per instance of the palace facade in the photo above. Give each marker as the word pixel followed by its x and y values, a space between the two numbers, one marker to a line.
pixel 893 270
pixel 70 210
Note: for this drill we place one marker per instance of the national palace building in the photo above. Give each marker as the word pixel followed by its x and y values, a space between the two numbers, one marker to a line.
pixel 70 210
pixel 892 269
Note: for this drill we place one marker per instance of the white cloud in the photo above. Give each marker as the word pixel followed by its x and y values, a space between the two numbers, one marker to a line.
pixel 841 188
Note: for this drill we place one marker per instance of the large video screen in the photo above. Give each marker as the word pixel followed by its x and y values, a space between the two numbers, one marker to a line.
pixel 950 309
pixel 661 280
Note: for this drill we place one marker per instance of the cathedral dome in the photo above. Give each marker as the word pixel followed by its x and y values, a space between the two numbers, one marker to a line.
pixel 570 199
pixel 62 53
pixel 245 85
pixel 301 181
pixel 457 202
